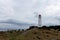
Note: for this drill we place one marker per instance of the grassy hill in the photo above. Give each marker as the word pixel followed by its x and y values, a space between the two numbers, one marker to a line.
pixel 33 33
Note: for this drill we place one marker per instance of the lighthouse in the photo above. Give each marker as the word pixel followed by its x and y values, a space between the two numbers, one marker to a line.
pixel 39 20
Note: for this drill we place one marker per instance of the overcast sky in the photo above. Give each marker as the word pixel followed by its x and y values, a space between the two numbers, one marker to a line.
pixel 28 10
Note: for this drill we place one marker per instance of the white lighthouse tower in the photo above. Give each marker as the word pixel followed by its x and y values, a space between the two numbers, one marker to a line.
pixel 39 20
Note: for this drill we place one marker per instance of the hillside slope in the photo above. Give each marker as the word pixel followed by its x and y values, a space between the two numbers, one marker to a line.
pixel 40 34
pixel 32 34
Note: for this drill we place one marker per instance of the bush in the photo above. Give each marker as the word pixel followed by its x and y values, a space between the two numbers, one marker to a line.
pixel 31 27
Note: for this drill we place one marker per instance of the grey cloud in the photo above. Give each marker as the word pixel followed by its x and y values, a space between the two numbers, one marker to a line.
pixel 23 10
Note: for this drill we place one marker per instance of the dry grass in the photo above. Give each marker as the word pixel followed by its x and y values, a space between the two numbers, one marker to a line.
pixel 33 34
